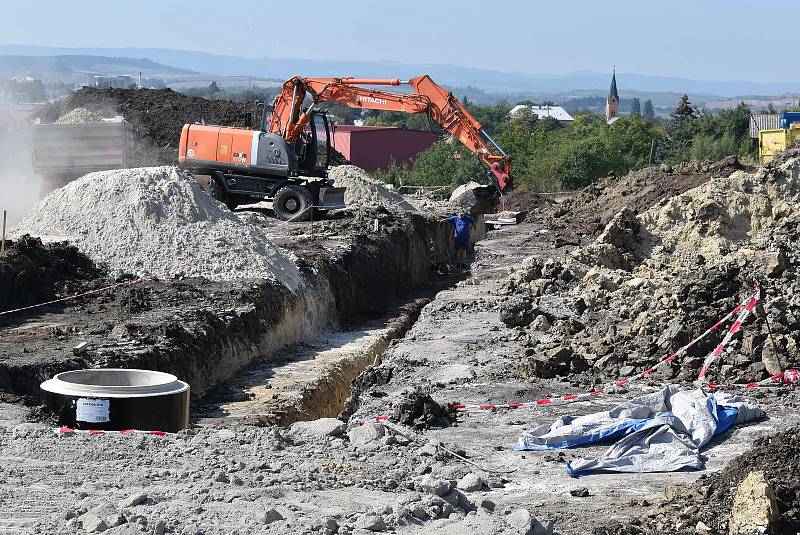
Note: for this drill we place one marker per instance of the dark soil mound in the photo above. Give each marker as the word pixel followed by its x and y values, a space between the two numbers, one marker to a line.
pixel 778 456
pixel 157 115
pixel 31 272
pixel 525 201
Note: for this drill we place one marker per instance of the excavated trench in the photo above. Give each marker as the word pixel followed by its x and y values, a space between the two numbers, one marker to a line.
pixel 234 342
pixel 378 290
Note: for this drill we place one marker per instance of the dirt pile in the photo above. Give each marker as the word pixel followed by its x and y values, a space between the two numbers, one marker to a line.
pixel 79 116
pixel 158 220
pixel 649 284
pixel 156 114
pixel 593 207
pixel 32 272
pixel 526 201
pixel 364 190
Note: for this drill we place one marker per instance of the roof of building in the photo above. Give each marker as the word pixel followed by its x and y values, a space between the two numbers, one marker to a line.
pixel 612 93
pixel 557 112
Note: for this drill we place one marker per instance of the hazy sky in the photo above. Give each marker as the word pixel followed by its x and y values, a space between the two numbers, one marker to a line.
pixel 700 39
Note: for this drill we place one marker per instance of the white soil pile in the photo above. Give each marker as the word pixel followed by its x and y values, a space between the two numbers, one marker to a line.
pixel 364 190
pixel 158 220
pixel 721 217
pixel 79 116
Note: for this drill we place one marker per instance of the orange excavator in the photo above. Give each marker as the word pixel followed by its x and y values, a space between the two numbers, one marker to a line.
pixel 287 158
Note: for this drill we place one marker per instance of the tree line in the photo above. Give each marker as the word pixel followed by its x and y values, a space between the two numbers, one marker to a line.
pixel 549 155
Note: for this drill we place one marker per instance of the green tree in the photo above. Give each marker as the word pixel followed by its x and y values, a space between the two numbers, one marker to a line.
pixel 446 163
pixel 396 119
pixel 681 128
pixel 491 117
pixel 649 113
pixel 636 107
pixel 397 175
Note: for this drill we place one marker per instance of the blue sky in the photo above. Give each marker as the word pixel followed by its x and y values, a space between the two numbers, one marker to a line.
pixel 700 39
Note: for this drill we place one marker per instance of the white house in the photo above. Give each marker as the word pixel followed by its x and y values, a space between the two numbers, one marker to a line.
pixel 556 112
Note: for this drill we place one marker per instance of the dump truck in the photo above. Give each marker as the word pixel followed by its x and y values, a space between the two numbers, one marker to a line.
pixel 64 152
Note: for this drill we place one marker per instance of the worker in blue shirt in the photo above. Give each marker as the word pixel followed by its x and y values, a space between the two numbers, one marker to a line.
pixel 461 223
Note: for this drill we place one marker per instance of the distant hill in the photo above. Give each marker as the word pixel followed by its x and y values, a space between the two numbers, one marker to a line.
pixel 454 75
pixel 76 67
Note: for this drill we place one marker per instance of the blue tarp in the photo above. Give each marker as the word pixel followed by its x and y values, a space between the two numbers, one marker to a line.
pixel 658 432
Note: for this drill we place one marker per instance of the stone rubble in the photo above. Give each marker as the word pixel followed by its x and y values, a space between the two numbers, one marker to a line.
pixel 79 116
pixel 650 282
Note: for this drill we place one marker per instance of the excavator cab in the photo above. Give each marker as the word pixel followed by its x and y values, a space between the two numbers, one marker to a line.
pixel 313 146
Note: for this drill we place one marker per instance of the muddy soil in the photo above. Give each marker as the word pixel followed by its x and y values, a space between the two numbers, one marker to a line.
pixel 227 477
pixel 32 272
pixel 526 201
pixel 459 351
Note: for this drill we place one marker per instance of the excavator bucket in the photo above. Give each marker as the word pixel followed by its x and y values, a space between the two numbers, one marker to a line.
pixel 331 198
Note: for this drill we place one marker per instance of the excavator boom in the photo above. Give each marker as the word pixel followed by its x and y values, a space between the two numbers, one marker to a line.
pixel 288 119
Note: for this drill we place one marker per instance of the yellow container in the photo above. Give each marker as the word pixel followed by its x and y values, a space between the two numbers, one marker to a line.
pixel 773 142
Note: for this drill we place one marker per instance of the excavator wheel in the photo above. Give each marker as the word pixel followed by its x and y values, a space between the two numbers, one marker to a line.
pixel 293 203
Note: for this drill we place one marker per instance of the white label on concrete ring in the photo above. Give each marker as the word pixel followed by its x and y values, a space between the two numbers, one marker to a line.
pixel 92 410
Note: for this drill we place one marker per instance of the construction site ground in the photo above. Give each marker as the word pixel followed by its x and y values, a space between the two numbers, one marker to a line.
pixel 322 356
pixel 226 475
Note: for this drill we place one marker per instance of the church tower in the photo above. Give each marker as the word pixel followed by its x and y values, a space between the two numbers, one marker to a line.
pixel 612 102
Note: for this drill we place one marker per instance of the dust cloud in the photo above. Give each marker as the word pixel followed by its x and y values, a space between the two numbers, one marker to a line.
pixel 20 189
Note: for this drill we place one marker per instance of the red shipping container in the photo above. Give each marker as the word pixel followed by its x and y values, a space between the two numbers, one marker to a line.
pixel 373 147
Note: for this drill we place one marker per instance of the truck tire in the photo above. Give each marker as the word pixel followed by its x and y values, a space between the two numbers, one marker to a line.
pixel 219 193
pixel 292 202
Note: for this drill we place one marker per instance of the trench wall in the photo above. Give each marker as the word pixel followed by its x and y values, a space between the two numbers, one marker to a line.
pixel 374 269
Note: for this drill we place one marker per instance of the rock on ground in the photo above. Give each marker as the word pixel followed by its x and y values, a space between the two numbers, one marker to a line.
pixel 323 427
pixel 755 508
pixel 364 434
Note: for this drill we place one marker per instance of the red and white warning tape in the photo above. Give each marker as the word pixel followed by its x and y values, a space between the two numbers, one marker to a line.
pixel 70 431
pixel 744 309
pixel 612 387
pixel 82 294
pixel 735 328
pixel 790 377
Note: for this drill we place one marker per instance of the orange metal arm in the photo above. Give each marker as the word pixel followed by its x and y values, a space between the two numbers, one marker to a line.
pixel 428 97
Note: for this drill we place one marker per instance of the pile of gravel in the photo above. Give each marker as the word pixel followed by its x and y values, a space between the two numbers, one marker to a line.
pixel 79 116
pixel 364 190
pixel 158 220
